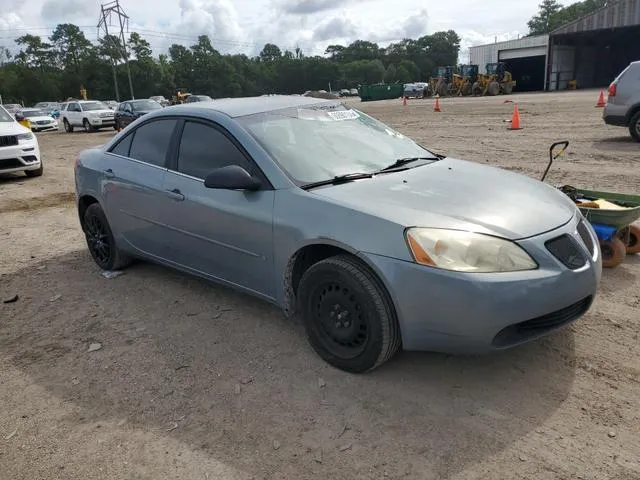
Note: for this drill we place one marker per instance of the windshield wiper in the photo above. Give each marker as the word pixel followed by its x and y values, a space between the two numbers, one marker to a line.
pixel 401 162
pixel 348 177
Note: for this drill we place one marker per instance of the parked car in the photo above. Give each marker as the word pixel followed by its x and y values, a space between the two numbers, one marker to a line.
pixel 12 108
pixel 38 119
pixel 19 149
pixel 375 242
pixel 623 105
pixel 354 92
pixel 161 100
pixel 112 104
pixel 198 98
pixel 130 110
pixel 88 114
pixel 46 106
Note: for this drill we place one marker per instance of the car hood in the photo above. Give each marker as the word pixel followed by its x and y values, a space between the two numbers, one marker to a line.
pixel 458 194
pixel 100 112
pixel 12 128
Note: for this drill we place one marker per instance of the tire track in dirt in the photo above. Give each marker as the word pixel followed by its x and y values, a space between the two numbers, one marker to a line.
pixel 36 203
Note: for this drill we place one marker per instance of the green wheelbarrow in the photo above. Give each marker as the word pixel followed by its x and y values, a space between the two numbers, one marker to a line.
pixel 610 214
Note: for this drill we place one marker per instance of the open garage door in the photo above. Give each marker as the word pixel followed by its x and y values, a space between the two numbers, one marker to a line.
pixel 528 72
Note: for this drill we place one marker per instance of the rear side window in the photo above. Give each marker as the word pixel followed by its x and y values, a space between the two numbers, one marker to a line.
pixel 122 147
pixel 151 141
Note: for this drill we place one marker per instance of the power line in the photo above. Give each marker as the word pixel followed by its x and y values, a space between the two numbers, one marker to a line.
pixel 107 12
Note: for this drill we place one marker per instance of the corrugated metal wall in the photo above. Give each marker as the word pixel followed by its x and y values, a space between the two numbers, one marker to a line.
pixel 623 13
pixel 483 54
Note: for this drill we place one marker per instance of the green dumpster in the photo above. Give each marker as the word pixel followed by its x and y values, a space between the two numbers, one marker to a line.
pixel 380 91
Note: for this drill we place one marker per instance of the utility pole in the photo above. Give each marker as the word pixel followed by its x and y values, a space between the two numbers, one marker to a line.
pixel 107 12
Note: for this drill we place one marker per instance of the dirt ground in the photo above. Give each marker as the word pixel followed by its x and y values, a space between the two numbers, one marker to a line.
pixel 194 381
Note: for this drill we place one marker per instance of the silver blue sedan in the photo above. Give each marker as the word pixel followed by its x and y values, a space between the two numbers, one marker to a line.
pixel 373 241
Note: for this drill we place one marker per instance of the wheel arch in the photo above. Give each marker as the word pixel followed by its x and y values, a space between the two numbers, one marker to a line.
pixel 633 110
pixel 312 253
pixel 83 203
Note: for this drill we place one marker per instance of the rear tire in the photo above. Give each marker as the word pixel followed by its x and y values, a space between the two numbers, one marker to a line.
pixel 100 240
pixel 348 316
pixel 634 127
pixel 493 89
pixel 613 252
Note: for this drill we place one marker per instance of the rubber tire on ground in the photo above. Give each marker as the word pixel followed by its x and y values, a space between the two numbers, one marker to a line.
pixel 634 126
pixel 633 246
pixel 507 88
pixel 476 89
pixel 116 126
pixel 613 252
pixel 67 126
pixel 384 338
pixel 87 126
pixel 117 259
pixel 493 89
pixel 35 173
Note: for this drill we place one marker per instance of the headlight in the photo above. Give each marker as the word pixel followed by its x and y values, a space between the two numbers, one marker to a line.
pixel 25 136
pixel 466 251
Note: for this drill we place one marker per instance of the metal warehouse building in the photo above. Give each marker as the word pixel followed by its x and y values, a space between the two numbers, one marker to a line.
pixel 591 51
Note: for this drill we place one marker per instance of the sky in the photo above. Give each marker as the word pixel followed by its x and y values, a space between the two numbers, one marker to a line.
pixel 244 26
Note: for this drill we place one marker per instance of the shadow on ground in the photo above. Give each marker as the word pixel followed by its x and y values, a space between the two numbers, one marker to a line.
pixel 227 375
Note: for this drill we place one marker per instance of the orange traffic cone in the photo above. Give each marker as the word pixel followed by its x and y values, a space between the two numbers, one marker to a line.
pixel 404 101
pixel 515 119
pixel 436 108
pixel 601 103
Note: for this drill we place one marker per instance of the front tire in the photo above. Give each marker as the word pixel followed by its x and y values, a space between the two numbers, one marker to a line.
pixel 100 240
pixel 67 126
pixel 35 173
pixel 633 245
pixel 634 127
pixel 87 126
pixel 348 316
pixel 613 252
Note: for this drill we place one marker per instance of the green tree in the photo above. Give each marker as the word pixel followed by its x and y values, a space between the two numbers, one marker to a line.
pixel 390 74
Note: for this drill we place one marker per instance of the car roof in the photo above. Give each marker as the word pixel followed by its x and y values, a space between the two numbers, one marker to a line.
pixel 240 107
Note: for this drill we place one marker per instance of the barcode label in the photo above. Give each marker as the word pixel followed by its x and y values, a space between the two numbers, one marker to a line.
pixel 343 115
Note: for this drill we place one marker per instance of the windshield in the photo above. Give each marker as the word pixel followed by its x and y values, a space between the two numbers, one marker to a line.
pixel 147 105
pixel 314 144
pixel 33 113
pixel 88 106
pixel 5 116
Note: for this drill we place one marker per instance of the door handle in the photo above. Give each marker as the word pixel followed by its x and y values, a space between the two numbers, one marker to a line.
pixel 109 173
pixel 175 194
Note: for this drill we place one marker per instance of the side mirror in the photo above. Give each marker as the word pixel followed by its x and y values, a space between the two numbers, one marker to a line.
pixel 19 117
pixel 232 177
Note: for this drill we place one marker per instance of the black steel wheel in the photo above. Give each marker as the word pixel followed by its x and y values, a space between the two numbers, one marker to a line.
pixel 100 240
pixel 348 316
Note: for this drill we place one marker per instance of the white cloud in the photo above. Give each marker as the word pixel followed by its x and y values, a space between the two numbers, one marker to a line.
pixel 246 25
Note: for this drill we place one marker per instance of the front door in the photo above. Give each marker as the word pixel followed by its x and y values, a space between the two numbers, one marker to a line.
pixel 133 186
pixel 225 234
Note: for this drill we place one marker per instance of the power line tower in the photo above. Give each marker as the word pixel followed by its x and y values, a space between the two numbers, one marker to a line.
pixel 107 13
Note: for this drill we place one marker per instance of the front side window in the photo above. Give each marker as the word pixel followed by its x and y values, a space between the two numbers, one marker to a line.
pixel 204 148
pixel 318 143
pixel 151 141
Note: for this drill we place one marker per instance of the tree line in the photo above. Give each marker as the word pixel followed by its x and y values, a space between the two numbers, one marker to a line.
pixel 54 68
pixel 552 15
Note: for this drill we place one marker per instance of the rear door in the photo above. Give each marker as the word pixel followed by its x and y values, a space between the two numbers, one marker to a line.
pixel 133 185
pixel 225 234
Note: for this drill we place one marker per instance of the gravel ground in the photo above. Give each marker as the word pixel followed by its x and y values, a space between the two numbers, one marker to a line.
pixel 194 381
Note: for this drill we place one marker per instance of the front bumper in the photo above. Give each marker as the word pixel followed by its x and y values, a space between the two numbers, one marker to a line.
pixel 454 312
pixel 102 122
pixel 21 157
pixel 43 128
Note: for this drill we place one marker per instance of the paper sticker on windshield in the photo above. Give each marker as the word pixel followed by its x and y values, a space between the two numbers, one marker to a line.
pixel 343 114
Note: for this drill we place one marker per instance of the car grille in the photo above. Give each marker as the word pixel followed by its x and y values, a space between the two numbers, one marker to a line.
pixel 106 115
pixel 8 140
pixel 567 250
pixel 586 237
pixel 9 163
pixel 43 122
pixel 530 329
